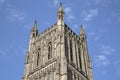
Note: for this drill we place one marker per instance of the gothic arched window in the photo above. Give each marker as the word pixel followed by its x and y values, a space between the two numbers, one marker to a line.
pixel 71 51
pixel 49 50
pixel 38 56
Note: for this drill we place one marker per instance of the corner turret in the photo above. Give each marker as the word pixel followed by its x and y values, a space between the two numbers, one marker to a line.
pixel 33 35
pixel 82 31
pixel 34 31
pixel 60 15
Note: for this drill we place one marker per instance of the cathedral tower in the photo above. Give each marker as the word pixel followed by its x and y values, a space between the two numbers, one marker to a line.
pixel 57 53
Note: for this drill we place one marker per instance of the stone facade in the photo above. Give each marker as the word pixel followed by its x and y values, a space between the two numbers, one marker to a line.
pixel 57 53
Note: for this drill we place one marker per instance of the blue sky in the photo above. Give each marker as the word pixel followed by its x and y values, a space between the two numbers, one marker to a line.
pixel 101 20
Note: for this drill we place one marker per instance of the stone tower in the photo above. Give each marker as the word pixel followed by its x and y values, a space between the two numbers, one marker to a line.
pixel 57 53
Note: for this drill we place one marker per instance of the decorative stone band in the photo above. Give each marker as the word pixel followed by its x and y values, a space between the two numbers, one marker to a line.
pixel 44 69
pixel 76 71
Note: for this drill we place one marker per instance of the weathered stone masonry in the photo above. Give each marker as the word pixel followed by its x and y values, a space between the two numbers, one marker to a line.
pixel 57 53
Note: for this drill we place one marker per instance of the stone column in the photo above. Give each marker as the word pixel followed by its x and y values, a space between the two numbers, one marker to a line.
pixel 78 62
pixel 77 77
pixel 34 60
pixel 74 52
pixel 82 58
pixel 69 59
pixel 85 60
pixel 73 78
pixel 57 72
pixel 43 56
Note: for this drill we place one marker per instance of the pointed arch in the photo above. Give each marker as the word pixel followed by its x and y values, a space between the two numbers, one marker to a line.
pixel 38 56
pixel 71 50
pixel 49 50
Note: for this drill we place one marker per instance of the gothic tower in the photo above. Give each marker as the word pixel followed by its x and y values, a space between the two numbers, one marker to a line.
pixel 57 53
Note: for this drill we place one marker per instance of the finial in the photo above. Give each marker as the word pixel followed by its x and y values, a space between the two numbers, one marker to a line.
pixel 82 31
pixel 60 8
pixel 60 3
pixel 35 25
pixel 60 15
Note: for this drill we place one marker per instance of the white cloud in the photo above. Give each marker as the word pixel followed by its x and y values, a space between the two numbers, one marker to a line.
pixel 107 50
pixel 11 50
pixel 24 51
pixel 88 15
pixel 69 14
pixel 94 36
pixel 14 14
pixel 101 60
pixel 97 38
pixel 28 26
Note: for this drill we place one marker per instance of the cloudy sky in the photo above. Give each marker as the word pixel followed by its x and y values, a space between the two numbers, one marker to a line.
pixel 101 20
